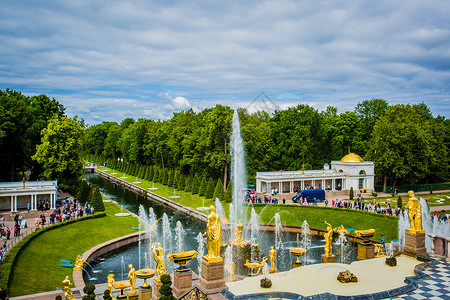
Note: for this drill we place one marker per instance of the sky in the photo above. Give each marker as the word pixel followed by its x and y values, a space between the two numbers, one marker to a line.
pixel 109 60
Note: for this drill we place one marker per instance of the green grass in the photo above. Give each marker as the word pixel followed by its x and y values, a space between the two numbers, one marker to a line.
pixel 315 216
pixel 37 269
pixel 435 199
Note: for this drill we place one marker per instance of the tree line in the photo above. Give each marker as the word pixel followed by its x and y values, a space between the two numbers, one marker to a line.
pixel 408 144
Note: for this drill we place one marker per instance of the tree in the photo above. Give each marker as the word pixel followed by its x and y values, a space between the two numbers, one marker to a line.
pixel 166 290
pixel 351 193
pixel 60 152
pixel 195 184
pixel 399 201
pixel 89 291
pixel 210 189
pixel 188 187
pixel 182 182
pixel 96 200
pixel 229 192
pixel 202 188
pixel 218 191
pixel 83 192
pixel 165 177
pixel 368 112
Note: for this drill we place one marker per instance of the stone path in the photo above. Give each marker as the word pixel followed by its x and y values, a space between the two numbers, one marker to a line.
pixel 437 287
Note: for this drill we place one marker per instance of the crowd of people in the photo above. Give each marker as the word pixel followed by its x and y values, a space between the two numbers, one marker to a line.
pixel 371 206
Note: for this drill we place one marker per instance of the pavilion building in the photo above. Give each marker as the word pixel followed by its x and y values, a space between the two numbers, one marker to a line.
pixel 350 171
pixel 16 195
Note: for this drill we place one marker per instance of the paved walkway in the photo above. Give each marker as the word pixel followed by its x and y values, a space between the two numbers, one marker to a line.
pixel 434 288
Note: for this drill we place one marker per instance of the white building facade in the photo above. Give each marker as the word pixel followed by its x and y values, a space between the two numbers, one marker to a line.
pixel 350 171
pixel 16 195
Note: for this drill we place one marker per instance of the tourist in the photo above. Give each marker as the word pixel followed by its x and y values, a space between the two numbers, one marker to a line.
pixel 383 241
pixel 2 294
pixel 8 233
pixel 326 202
pixel 28 207
pixel 3 221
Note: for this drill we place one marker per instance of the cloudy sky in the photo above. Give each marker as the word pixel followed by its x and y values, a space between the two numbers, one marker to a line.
pixel 108 60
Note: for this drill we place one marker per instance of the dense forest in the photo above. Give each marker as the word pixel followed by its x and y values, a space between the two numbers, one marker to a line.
pixel 408 144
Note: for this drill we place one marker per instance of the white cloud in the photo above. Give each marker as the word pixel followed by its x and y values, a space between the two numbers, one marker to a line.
pixel 181 102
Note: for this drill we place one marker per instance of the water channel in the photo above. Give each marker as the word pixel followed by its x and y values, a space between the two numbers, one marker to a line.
pixel 116 262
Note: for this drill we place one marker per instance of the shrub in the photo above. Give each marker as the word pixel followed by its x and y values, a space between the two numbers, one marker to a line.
pixel 229 192
pixel 195 184
pixel 351 194
pixel 89 290
pixel 210 189
pixel 107 295
pixel 166 290
pixel 188 186
pixel 399 201
pixel 374 194
pixel 96 200
pixel 202 188
pixel 218 191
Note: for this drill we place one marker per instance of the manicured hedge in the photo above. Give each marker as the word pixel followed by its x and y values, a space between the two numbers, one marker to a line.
pixel 8 262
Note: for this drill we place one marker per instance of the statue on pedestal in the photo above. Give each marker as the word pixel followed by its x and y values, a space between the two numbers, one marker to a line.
pixel 213 236
pixel 237 230
pixel 272 255
pixel 415 213
pixel 328 239
pixel 158 256
pixel 78 263
pixel 110 282
pixel 68 295
pixel 132 277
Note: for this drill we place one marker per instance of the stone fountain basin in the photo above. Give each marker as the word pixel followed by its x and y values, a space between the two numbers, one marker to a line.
pixel 373 276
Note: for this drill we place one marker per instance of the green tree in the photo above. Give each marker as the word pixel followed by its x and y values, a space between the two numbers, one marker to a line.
pixel 210 189
pixel 399 201
pixel 96 200
pixel 165 177
pixel 182 182
pixel 188 187
pixel 351 193
pixel 195 184
pixel 229 193
pixel 218 191
pixel 83 192
pixel 156 175
pixel 60 152
pixel 368 112
pixel 202 188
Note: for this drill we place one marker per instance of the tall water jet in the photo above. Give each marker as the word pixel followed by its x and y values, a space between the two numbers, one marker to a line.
pixel 427 223
pixel 342 248
pixel 200 250
pixel 228 261
pixel 403 224
pixel 279 240
pixel 179 237
pixel 152 234
pixel 306 241
pixel 238 169
pixel 166 234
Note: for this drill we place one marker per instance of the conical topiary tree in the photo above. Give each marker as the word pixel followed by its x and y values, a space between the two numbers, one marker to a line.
pixel 96 200
pixel 188 186
pixel 210 189
pixel 195 184
pixel 218 191
pixel 166 290
pixel 181 182
pixel 156 175
pixel 351 193
pixel 165 177
pixel 171 177
pixel 202 188
pixel 229 192
pixel 399 201
pixel 83 192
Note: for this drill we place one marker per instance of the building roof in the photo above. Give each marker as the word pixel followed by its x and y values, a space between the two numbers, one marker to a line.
pixel 352 157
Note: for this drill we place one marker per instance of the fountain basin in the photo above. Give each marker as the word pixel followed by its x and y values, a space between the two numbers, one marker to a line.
pixel 365 234
pixel 297 252
pixel 145 274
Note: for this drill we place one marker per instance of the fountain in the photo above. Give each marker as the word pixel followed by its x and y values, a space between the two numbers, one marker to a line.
pixel 179 237
pixel 306 241
pixel 342 249
pixel 203 207
pixel 122 214
pixel 153 187
pixel 238 170
pixel 166 234
pixel 174 195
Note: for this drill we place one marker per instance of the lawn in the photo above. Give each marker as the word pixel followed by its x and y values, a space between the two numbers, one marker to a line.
pixel 37 266
pixel 315 216
pixel 435 199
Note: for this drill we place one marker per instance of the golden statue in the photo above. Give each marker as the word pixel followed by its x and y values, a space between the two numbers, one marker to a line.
pixel 68 295
pixel 341 229
pixel 272 255
pixel 379 249
pixel 237 230
pixel 255 266
pixel 110 282
pixel 78 264
pixel 158 256
pixel 132 277
pixel 328 240
pixel 415 214
pixel 213 236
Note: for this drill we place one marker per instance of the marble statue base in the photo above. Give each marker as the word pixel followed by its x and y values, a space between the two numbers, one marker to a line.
pixel 327 259
pixel 415 243
pixel 132 297
pixel 156 287
pixel 365 251
pixel 212 275
pixel 181 282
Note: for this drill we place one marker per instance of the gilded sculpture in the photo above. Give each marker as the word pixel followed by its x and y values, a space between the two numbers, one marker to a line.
pixel 415 213
pixel 328 239
pixel 132 278
pixel 237 230
pixel 110 282
pixel 78 263
pixel 158 256
pixel 213 236
pixel 68 295
pixel 272 255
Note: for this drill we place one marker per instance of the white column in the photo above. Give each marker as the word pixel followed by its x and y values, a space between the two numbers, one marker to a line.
pixel 54 201
pixel 333 184
pixel 291 187
pixel 35 202
pixel 12 203
pixel 323 184
pixel 313 183
pixel 302 184
pixel 280 187
pixel 15 203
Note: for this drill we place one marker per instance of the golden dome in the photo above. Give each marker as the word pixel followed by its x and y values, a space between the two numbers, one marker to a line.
pixel 352 157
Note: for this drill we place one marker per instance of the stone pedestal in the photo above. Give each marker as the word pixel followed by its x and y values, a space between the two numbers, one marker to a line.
pixel 156 287
pixel 365 251
pixel 327 259
pixel 212 275
pixel 133 297
pixel 415 243
pixel 145 293
pixel 181 282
